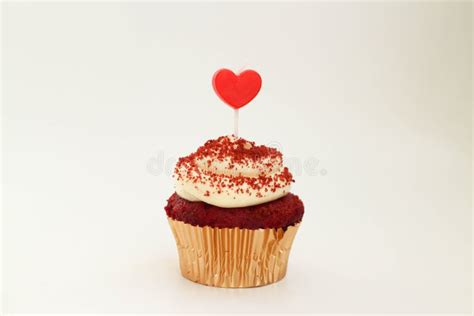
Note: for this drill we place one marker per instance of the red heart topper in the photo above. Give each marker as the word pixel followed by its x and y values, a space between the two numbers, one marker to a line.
pixel 236 90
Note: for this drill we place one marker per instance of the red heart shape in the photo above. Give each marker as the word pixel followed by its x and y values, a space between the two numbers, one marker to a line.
pixel 236 90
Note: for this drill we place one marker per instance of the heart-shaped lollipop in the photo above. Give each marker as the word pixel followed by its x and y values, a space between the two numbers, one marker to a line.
pixel 236 90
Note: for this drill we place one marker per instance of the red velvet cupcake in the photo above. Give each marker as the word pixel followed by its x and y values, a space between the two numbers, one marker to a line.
pixel 233 216
pixel 281 213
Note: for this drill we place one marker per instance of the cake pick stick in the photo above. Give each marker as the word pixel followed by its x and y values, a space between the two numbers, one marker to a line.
pixel 236 123
pixel 236 111
pixel 236 90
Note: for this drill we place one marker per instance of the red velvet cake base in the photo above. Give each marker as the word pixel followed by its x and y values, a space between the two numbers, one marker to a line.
pixel 280 213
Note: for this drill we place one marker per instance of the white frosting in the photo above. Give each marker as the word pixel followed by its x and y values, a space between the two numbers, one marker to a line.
pixel 224 182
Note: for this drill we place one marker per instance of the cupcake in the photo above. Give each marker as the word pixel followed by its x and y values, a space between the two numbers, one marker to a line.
pixel 232 215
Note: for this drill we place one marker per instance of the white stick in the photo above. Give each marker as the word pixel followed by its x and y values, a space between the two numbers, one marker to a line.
pixel 236 111
pixel 236 122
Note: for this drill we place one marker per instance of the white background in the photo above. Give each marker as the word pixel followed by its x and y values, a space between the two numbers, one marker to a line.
pixel 98 98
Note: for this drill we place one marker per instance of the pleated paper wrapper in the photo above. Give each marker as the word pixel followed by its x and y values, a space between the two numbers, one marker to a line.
pixel 232 257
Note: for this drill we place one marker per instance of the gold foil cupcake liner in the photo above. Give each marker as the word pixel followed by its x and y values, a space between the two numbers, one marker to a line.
pixel 232 257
